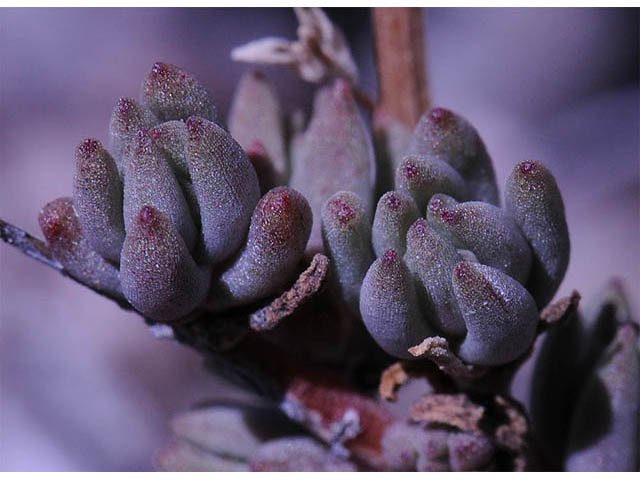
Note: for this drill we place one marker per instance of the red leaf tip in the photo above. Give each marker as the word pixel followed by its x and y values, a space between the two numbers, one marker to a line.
pixel 389 258
pixel 393 202
pixel 528 167
pixel 341 210
pixel 88 148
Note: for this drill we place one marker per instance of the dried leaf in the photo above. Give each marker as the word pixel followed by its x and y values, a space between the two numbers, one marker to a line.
pixel 437 350
pixel 455 410
pixel 391 379
pixel 559 311
pixel 310 282
pixel 321 50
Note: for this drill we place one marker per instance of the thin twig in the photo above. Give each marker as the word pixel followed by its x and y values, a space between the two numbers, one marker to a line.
pixel 400 63
pixel 37 249
pixel 28 244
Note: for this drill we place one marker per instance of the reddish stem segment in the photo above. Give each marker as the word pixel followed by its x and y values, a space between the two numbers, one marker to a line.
pixel 401 63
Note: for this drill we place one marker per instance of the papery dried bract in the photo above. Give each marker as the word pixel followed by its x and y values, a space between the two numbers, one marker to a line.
pixel 337 154
pixel 61 229
pixel 278 233
pixel 431 259
pixel 534 200
pixel 159 276
pixel 394 215
pixel 170 93
pixel 389 306
pixel 420 177
pixel 442 134
pixel 320 51
pixel 225 185
pixel 255 116
pixel 149 180
pixel 97 198
pixel 346 234
pixel 500 315
pixel 127 118
pixel 606 423
pixel 488 231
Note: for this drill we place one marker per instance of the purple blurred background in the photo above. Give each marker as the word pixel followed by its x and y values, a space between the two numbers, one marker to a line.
pixel 83 385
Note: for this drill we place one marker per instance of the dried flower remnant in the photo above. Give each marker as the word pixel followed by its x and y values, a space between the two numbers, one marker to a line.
pixel 447 136
pixel 319 53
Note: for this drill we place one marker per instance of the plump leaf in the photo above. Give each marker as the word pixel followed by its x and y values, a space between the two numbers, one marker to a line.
pixel 449 137
pixel 97 198
pixel 389 306
pixel 534 200
pixel 500 315
pixel 346 233
pixel 159 276
pixel 61 228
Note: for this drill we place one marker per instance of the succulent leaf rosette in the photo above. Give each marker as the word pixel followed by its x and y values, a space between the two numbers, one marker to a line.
pixel 193 221
pixel 171 217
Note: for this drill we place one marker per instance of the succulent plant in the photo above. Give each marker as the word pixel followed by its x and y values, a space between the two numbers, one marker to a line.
pixel 177 200
pixel 316 264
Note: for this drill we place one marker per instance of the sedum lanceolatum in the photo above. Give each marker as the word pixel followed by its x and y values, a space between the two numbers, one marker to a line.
pixel 316 264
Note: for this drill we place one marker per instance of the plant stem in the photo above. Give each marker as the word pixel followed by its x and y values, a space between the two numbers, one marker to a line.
pixel 27 244
pixel 400 64
pixel 37 249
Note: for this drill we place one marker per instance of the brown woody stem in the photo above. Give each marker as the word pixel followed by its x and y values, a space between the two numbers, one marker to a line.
pixel 400 63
